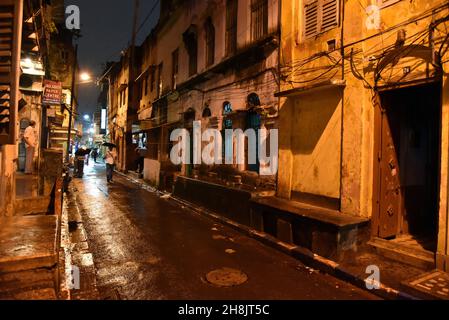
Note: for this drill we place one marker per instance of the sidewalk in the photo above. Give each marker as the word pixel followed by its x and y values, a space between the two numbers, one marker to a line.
pixel 394 275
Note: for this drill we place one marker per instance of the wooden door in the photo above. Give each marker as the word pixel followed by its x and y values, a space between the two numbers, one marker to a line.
pixel 390 183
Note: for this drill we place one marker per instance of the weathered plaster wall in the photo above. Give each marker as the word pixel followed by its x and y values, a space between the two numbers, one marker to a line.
pixel 316 140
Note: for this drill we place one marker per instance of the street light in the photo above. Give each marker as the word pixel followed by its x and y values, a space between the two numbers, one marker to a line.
pixel 85 77
pixel 86 117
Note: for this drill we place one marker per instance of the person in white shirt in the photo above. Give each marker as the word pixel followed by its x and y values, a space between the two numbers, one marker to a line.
pixel 110 157
pixel 30 138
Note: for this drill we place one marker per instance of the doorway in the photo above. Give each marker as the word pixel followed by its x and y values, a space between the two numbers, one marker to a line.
pixel 408 164
pixel 24 123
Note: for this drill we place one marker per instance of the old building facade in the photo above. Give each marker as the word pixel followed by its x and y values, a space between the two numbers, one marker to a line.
pixel 214 62
pixel 357 91
pixel 363 115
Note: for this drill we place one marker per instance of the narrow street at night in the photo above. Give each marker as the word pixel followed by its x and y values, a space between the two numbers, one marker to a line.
pixel 254 155
pixel 145 247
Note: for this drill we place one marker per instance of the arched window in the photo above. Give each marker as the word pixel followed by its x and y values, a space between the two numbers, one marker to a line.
pixel 227 124
pixel 227 107
pixel 189 115
pixel 206 112
pixel 253 100
pixel 191 43
pixel 210 42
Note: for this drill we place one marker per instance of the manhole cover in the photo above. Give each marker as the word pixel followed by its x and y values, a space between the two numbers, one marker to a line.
pixel 434 284
pixel 226 277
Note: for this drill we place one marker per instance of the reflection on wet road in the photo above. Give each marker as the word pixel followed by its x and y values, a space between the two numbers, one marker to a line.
pixel 146 247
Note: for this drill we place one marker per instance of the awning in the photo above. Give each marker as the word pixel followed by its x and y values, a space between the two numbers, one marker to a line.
pixel 328 84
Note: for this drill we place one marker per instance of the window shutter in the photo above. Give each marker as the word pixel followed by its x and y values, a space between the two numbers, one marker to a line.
pixel 311 19
pixel 329 17
pixel 10 47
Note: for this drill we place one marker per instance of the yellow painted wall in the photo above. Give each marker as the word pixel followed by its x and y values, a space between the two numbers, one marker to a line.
pixel 316 142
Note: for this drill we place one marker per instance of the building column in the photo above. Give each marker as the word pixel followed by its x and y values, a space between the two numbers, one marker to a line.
pixel 442 256
pixel 8 156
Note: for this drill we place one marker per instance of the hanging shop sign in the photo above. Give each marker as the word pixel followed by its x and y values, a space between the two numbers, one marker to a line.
pixel 52 92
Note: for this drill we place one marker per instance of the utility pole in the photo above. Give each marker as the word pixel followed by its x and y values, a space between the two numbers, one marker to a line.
pixel 131 96
pixel 72 100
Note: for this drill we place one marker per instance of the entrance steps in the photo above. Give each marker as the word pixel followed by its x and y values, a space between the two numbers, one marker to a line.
pixel 406 253
pixel 29 257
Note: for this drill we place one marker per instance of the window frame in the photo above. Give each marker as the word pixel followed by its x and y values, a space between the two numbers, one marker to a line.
pixel 209 34
pixel 259 8
pixel 319 27
pixel 231 25
pixel 152 78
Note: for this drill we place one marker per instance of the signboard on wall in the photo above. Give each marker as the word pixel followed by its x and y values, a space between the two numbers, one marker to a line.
pixel 52 92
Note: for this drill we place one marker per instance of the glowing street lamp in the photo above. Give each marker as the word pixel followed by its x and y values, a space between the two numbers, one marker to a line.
pixel 86 117
pixel 85 77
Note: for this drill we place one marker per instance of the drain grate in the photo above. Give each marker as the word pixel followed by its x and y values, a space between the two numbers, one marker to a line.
pixel 434 284
pixel 226 277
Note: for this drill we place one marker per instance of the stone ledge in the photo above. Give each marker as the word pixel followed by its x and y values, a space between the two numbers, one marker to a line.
pixel 232 202
pixel 321 215
pixel 329 233
pixel 33 205
pixel 28 243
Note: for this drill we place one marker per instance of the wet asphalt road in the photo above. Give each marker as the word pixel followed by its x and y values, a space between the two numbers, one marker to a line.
pixel 145 247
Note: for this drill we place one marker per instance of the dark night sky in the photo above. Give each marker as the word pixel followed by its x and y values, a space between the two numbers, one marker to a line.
pixel 106 28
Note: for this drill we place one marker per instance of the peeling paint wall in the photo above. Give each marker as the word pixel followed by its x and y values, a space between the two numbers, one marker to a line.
pixel 382 47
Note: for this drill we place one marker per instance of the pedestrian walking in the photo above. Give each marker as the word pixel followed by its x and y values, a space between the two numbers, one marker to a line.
pixel 94 155
pixel 110 158
pixel 30 138
pixel 139 160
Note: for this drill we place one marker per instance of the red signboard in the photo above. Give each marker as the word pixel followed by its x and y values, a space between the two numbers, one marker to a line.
pixel 52 92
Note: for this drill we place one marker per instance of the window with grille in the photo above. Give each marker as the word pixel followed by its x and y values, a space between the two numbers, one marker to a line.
pixel 231 26
pixel 259 18
pixel 210 42
pixel 320 16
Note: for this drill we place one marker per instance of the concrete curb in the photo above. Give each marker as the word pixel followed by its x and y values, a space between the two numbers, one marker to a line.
pixel 304 255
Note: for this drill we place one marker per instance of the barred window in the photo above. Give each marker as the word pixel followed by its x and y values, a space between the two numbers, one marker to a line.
pixel 259 18
pixel 320 16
